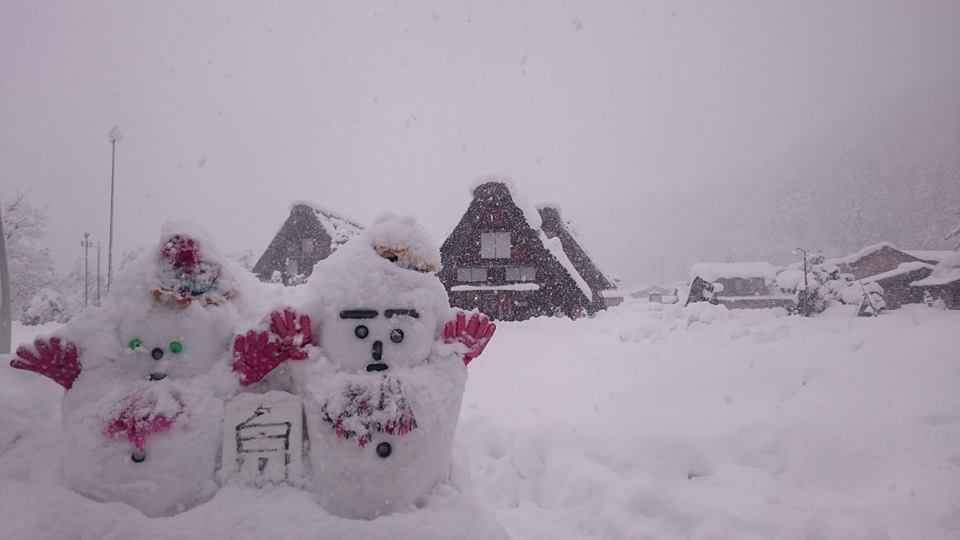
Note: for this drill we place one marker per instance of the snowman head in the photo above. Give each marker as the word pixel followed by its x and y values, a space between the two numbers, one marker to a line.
pixel 172 343
pixel 381 304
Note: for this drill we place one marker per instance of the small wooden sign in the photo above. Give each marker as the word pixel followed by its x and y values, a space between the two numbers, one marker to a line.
pixel 262 438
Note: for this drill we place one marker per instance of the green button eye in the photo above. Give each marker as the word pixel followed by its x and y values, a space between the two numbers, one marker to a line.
pixel 176 347
pixel 135 344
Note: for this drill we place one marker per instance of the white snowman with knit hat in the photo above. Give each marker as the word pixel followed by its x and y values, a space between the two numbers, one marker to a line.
pixel 383 400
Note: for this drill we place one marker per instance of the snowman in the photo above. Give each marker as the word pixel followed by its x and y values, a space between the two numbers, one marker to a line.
pixel 383 400
pixel 141 423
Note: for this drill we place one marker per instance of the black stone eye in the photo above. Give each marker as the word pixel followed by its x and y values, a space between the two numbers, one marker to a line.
pixel 361 331
pixel 396 335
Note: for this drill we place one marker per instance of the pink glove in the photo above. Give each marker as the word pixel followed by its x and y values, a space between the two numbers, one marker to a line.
pixel 475 334
pixel 50 360
pixel 294 333
pixel 138 419
pixel 255 355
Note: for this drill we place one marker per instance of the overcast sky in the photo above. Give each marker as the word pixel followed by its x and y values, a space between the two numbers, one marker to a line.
pixel 669 132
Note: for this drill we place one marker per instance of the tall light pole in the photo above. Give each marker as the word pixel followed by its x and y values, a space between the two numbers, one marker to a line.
pixel 115 137
pixel 804 252
pixel 86 244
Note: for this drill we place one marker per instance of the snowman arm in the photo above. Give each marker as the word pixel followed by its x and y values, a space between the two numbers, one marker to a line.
pixel 50 359
pixel 254 355
pixel 474 333
pixel 294 333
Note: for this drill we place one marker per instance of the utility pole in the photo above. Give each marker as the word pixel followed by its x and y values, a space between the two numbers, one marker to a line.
pixel 115 137
pixel 98 273
pixel 86 244
pixel 4 295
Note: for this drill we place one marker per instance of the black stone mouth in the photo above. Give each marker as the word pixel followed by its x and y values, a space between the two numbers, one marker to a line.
pixel 156 376
pixel 377 367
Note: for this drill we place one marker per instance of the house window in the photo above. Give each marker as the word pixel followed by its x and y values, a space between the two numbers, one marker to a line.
pixel 309 245
pixel 495 245
pixel 521 273
pixel 471 274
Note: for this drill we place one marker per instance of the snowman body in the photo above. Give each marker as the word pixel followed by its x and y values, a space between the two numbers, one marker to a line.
pixel 382 402
pixel 141 423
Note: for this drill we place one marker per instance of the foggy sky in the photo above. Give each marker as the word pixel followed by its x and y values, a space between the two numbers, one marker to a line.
pixel 669 132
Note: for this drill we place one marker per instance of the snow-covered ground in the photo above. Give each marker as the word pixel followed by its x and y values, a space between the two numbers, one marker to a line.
pixel 647 421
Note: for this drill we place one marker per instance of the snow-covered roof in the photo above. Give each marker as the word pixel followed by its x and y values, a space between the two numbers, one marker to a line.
pixel 340 229
pixel 903 268
pixel 572 231
pixel 746 270
pixel 939 278
pixel 532 217
pixel 510 287
pixel 614 293
pixel 935 255
pixel 854 257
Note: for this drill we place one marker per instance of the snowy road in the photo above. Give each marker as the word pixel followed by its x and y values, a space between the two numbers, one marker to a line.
pixel 647 421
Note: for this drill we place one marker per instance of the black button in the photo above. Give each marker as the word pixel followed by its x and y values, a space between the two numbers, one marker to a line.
pixel 384 449
pixel 138 456
pixel 156 353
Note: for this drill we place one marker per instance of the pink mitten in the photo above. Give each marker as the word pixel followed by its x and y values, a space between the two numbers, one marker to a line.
pixel 294 333
pixel 50 360
pixel 255 355
pixel 474 334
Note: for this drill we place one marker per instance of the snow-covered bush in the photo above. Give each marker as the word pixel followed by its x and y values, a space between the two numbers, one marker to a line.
pixel 46 306
pixel 826 285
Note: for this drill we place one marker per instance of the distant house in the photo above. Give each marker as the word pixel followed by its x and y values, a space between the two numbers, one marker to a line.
pixel 603 287
pixel 499 260
pixel 942 284
pixel 308 236
pixel 655 294
pixel 743 285
pixel 875 259
pixel 896 283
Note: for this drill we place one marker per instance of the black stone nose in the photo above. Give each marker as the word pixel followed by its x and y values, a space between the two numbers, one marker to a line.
pixel 377 350
pixel 156 353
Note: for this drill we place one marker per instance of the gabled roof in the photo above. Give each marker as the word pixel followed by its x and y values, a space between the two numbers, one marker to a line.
pixel 744 270
pixel 555 227
pixel 903 268
pixel 339 228
pixel 933 255
pixel 490 186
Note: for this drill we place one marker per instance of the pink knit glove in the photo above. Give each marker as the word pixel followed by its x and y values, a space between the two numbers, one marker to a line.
pixel 474 334
pixel 50 360
pixel 294 333
pixel 255 355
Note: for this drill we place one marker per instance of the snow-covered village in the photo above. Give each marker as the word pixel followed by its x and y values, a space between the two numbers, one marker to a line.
pixel 457 270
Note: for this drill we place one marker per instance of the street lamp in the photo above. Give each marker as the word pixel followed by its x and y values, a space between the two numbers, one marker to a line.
pixel 114 137
pixel 804 252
